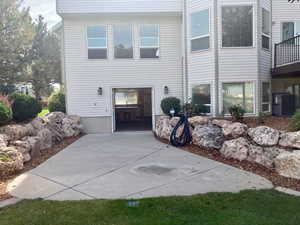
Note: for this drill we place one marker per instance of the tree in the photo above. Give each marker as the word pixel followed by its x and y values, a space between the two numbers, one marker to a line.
pixel 16 34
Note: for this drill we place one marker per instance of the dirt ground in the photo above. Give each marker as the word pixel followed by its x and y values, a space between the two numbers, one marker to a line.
pixel 279 123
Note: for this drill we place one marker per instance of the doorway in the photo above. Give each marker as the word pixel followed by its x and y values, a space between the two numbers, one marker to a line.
pixel 133 109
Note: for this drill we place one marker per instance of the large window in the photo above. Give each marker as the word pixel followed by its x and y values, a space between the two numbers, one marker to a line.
pixel 126 97
pixel 238 94
pixel 149 41
pixel 123 41
pixel 97 42
pixel 290 30
pixel 201 97
pixel 237 26
pixel 266 97
pixel 266 29
pixel 200 30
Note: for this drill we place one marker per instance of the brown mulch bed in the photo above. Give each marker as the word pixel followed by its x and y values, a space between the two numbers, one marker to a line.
pixel 279 123
pixel 34 163
pixel 255 168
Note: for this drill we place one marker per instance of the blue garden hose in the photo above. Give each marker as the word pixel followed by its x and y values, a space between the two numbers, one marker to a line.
pixel 184 138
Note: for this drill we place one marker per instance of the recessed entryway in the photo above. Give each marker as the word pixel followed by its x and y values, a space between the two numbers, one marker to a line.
pixel 132 109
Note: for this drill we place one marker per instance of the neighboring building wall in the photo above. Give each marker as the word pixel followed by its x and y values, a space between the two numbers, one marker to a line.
pixel 84 76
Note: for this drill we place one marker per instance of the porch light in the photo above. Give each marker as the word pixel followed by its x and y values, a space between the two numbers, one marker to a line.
pixel 100 91
pixel 166 90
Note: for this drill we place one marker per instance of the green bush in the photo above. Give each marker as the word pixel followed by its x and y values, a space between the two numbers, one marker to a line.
pixel 57 102
pixel 294 124
pixel 24 107
pixel 5 113
pixel 237 112
pixel 170 103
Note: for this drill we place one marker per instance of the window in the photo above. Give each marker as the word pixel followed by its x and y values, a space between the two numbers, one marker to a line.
pixel 266 29
pixel 290 30
pixel 237 26
pixel 200 30
pixel 266 97
pixel 123 42
pixel 97 42
pixel 238 94
pixel 149 41
pixel 126 97
pixel 201 97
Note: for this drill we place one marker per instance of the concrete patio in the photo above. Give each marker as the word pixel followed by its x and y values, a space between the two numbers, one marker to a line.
pixel 128 166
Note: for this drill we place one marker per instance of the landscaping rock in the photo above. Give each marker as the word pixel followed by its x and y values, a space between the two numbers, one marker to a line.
pixel 235 130
pixel 288 164
pixel 35 146
pixel 198 120
pixel 45 136
pixel 11 161
pixel 208 137
pixel 71 126
pixel 163 127
pixel 3 140
pixel 259 155
pixel 38 124
pixel 290 140
pixel 31 130
pixel 14 132
pixel 264 136
pixel 221 123
pixel 174 121
pixel 236 149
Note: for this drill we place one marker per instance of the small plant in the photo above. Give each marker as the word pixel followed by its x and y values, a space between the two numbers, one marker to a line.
pixel 294 124
pixel 57 102
pixel 237 113
pixel 5 113
pixel 170 103
pixel 24 107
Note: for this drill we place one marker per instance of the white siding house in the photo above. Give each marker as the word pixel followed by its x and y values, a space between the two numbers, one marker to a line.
pixel 219 49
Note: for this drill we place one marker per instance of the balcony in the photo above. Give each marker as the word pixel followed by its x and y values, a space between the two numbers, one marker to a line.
pixel 287 58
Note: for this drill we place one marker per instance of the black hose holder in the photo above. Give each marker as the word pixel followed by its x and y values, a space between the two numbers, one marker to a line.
pixel 185 137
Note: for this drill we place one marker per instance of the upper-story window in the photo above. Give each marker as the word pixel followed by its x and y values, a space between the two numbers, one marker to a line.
pixel 97 42
pixel 290 30
pixel 149 41
pixel 266 29
pixel 123 41
pixel 237 26
pixel 200 30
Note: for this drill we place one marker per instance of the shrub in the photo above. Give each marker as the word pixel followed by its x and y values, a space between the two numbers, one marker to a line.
pixel 24 107
pixel 192 109
pixel 57 102
pixel 294 124
pixel 5 113
pixel 237 112
pixel 170 103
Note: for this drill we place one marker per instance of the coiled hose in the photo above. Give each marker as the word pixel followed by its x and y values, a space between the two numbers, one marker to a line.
pixel 185 137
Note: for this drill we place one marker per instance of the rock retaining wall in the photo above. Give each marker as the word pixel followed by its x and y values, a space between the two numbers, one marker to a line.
pixel 21 143
pixel 263 145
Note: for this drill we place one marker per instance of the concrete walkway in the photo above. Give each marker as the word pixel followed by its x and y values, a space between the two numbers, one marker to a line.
pixel 126 166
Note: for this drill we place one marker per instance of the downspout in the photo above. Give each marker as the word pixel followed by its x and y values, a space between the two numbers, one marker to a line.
pixel 186 70
pixel 258 25
pixel 216 47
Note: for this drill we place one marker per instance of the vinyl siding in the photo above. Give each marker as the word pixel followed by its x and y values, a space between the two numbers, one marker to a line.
pixel 117 6
pixel 85 76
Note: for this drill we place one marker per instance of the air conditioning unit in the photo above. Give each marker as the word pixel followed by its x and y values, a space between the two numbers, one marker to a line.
pixel 283 104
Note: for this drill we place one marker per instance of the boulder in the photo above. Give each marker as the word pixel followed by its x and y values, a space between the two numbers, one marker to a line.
pixel 198 120
pixel 14 132
pixel 221 123
pixel 259 155
pixel 54 117
pixel 208 137
pixel 290 140
pixel 31 130
pixel 54 122
pixel 45 136
pixel 264 136
pixel 236 149
pixel 163 127
pixel 38 124
pixel 3 140
pixel 288 164
pixel 235 130
pixel 11 161
pixel 35 146
pixel 174 121
pixel 71 126
pixel 26 157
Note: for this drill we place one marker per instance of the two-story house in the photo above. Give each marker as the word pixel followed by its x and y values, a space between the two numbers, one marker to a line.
pixel 122 57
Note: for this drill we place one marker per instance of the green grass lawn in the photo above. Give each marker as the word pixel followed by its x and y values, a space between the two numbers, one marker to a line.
pixel 43 113
pixel 246 208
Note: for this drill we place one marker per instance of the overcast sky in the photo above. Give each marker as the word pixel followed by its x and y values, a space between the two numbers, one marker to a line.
pixel 46 8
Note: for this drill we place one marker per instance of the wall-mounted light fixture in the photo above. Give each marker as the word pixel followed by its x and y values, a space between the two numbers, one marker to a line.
pixel 166 90
pixel 100 91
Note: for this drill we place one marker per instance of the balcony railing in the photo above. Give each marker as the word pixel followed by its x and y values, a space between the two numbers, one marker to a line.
pixel 287 52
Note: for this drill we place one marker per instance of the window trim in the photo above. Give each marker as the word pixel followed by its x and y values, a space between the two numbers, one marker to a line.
pixel 253 26
pixel 239 82
pixel 270 96
pixel 211 92
pixel 287 21
pixel 87 41
pixel 140 42
pixel 201 36
pixel 262 32
pixel 132 27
